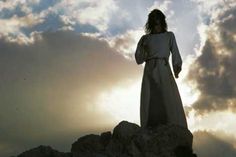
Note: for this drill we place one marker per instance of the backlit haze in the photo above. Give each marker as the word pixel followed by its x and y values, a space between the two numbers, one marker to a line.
pixel 67 69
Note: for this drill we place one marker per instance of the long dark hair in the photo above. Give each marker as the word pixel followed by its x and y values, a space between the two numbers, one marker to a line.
pixel 155 17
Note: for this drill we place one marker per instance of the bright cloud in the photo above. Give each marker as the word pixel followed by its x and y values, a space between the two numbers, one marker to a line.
pixel 24 4
pixel 15 23
pixel 92 12
pixel 163 6
pixel 213 70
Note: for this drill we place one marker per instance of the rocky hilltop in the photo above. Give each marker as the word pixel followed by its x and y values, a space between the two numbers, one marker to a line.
pixel 126 140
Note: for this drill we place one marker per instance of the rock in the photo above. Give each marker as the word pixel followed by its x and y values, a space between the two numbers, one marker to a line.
pixel 127 140
pixel 163 140
pixel 183 151
pixel 122 137
pixel 87 145
pixel 43 151
pixel 124 132
pixel 105 138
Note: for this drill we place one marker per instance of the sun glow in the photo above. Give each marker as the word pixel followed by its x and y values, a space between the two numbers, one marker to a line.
pixel 188 92
pixel 213 121
pixel 122 102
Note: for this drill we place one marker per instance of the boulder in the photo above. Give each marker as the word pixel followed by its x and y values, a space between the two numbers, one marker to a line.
pixel 43 151
pixel 163 140
pixel 125 131
pixel 105 138
pixel 129 140
pixel 88 145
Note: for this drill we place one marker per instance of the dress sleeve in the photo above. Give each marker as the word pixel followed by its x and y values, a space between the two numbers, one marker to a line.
pixel 140 53
pixel 176 58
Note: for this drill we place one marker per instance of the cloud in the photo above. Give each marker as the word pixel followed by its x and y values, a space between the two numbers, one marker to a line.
pixel 18 26
pixel 11 28
pixel 22 18
pixel 163 6
pixel 12 4
pixel 110 17
pixel 213 71
pixel 92 12
pixel 216 121
pixel 49 89
pixel 210 6
pixel 125 43
pixel 206 144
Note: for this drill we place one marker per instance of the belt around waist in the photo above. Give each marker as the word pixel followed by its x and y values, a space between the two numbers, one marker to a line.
pixel 164 58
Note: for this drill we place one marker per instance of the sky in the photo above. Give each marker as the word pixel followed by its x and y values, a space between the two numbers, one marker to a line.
pixel 67 69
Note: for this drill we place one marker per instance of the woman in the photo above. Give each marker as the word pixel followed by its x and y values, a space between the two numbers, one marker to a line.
pixel 160 99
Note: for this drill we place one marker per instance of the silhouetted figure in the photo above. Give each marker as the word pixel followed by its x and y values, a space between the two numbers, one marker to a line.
pixel 160 99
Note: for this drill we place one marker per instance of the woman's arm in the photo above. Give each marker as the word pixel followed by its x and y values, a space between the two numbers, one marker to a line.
pixel 140 53
pixel 176 58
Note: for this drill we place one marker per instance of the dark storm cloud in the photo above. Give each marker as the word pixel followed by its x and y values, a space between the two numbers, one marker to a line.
pixel 205 144
pixel 49 89
pixel 214 70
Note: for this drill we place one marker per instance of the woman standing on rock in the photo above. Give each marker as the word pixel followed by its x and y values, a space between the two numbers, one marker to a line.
pixel 160 99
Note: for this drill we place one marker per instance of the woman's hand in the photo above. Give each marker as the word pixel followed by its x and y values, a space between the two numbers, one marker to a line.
pixel 177 70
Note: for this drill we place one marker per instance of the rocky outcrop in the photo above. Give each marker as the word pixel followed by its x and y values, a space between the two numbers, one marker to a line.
pixel 43 151
pixel 127 140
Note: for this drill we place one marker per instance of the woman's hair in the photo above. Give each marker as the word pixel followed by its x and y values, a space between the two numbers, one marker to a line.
pixel 155 17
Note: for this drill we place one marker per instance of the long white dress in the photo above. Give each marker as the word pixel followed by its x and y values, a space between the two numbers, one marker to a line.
pixel 160 101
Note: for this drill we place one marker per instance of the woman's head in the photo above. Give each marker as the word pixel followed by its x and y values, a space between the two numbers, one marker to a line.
pixel 156 19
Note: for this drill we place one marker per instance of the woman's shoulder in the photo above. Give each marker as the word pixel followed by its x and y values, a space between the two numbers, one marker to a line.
pixel 144 36
pixel 171 33
pixel 162 33
pixel 167 33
